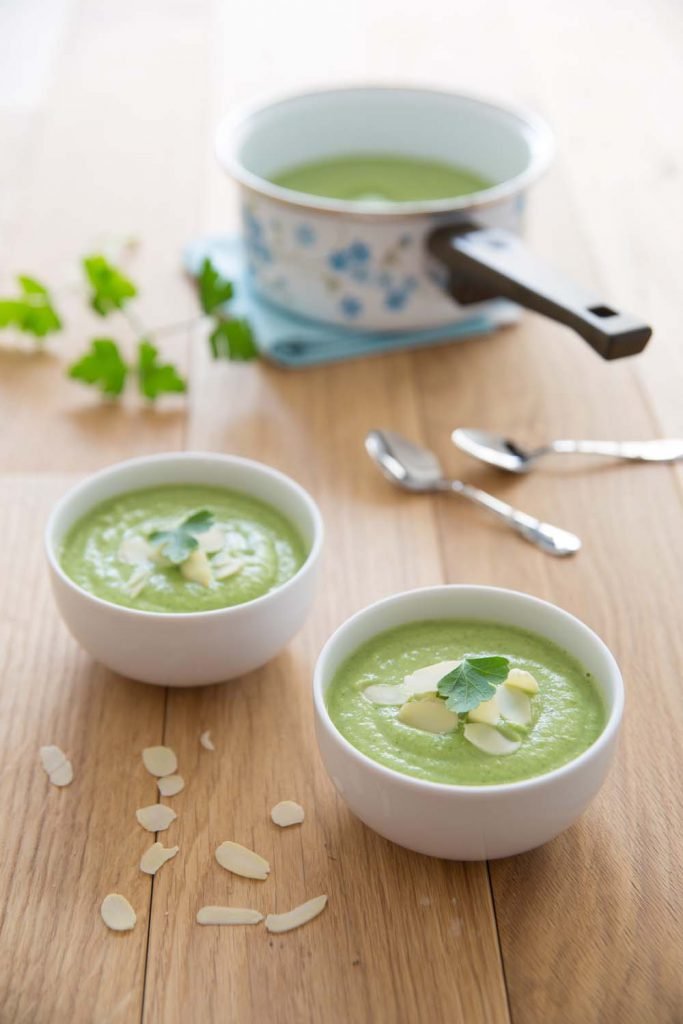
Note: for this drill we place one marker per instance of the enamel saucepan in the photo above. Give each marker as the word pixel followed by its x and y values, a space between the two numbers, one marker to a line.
pixel 378 266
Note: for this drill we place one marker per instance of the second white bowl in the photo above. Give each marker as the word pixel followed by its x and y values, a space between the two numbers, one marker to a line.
pixel 198 647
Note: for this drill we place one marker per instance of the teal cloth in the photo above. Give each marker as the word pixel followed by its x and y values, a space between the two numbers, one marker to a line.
pixel 296 341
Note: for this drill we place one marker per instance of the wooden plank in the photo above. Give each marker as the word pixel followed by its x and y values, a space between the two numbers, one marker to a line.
pixel 63 850
pixel 388 909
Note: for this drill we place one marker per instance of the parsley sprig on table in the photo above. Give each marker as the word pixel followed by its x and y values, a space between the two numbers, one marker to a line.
pixel 110 291
pixel 177 545
pixel 472 682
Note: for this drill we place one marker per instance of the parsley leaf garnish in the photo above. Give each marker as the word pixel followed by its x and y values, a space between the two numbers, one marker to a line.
pixel 233 339
pixel 32 312
pixel 111 289
pixel 155 378
pixel 177 545
pixel 473 681
pixel 102 366
pixel 214 289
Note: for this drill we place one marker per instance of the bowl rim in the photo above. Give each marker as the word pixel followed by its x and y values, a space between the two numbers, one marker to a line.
pixel 604 739
pixel 183 456
pixel 537 130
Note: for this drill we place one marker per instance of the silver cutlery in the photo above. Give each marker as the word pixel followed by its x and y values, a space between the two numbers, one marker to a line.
pixel 417 469
pixel 506 454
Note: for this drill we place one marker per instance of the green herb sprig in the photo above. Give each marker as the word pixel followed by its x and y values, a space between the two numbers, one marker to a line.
pixel 32 311
pixel 177 545
pixel 472 682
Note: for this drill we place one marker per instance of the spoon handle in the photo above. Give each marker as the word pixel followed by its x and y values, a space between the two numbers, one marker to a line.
pixel 662 450
pixel 551 539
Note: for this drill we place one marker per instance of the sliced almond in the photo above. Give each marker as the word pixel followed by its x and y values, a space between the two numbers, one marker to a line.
pixel 488 739
pixel 138 580
pixel 426 680
pixel 514 705
pixel 488 712
pixel 521 680
pixel 428 715
pixel 295 918
pixel 287 812
pixel 242 861
pixel 211 541
pixel 230 567
pixel 156 817
pixel 170 785
pixel 134 550
pixel 383 693
pixel 56 765
pixel 196 568
pixel 228 915
pixel 206 741
pixel 117 913
pixel 159 761
pixel 157 855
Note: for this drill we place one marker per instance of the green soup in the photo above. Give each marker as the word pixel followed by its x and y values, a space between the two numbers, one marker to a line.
pixel 253 550
pixel 380 178
pixel 567 712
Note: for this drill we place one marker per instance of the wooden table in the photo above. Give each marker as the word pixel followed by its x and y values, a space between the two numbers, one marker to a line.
pixel 105 129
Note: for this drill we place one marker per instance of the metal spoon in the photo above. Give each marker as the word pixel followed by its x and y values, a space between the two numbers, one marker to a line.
pixel 504 453
pixel 418 469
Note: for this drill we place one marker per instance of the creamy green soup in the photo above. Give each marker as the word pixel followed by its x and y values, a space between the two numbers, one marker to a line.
pixel 380 177
pixel 567 712
pixel 249 550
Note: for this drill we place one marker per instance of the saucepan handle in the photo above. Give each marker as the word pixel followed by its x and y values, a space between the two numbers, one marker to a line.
pixel 485 263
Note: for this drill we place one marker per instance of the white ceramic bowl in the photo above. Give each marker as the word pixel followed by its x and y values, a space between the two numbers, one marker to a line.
pixel 468 822
pixel 199 647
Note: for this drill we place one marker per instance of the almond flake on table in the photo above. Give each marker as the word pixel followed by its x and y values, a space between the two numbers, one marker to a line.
pixel 170 785
pixel 286 813
pixel 228 915
pixel 156 856
pixel 156 817
pixel 117 913
pixel 206 741
pixel 160 761
pixel 242 861
pixel 296 917
pixel 58 768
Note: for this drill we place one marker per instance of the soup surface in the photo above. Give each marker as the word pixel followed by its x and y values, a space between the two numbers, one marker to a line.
pixel 567 713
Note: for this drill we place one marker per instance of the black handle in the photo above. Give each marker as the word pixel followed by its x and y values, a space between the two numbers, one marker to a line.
pixel 486 263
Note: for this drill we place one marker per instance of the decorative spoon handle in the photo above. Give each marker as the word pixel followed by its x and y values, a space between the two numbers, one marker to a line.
pixel 549 538
pixel 663 450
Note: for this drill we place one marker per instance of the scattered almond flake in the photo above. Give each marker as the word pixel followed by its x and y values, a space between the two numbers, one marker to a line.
pixel 212 540
pixel 117 913
pixel 160 761
pixel 58 768
pixel 134 550
pixel 206 741
pixel 287 812
pixel 488 739
pixel 242 861
pixel 156 856
pixel 426 680
pixel 383 693
pixel 514 705
pixel 428 715
pixel 488 712
pixel 228 568
pixel 138 580
pixel 521 680
pixel 156 817
pixel 295 918
pixel 228 915
pixel 196 568
pixel 171 785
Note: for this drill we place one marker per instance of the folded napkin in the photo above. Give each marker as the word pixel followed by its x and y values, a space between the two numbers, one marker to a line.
pixel 295 341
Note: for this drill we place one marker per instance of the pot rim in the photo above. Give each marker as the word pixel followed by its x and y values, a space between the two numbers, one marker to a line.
pixel 231 127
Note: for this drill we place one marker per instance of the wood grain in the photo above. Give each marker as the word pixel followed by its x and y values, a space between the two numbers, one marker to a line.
pixel 106 116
